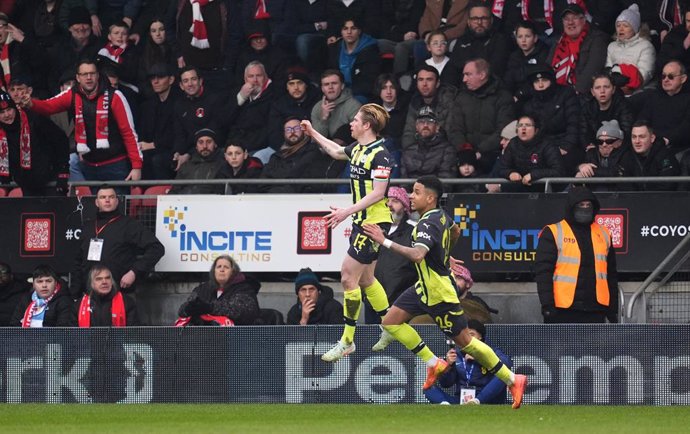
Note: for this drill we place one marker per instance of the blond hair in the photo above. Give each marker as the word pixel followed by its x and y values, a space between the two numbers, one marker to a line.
pixel 375 115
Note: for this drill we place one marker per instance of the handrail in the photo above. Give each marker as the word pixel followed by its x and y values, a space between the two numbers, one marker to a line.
pixel 657 271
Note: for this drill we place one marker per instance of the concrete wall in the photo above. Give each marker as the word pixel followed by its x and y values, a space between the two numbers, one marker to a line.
pixel 517 303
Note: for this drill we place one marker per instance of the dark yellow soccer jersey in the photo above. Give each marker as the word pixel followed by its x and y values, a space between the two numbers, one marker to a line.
pixel 435 283
pixel 368 164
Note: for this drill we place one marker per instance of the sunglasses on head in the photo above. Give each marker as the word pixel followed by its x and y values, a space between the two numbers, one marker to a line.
pixel 607 141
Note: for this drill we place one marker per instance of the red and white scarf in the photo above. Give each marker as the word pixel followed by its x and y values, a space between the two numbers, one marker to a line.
pixel 112 52
pixel 498 6
pixel 565 57
pixel 261 12
pixel 117 309
pixel 102 109
pixel 32 309
pixel 198 29
pixel 222 321
pixel 5 63
pixel 24 146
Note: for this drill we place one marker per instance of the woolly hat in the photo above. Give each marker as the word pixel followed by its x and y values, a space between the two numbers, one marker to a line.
pixel 297 73
pixel 78 15
pixel 467 156
pixel 306 277
pixel 461 271
pixel 610 129
pixel 631 16
pixel 510 131
pixel 478 326
pixel 205 132
pixel 401 195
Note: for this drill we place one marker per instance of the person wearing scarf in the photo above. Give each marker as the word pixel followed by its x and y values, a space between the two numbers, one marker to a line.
pixel 34 152
pixel 228 297
pixel 48 305
pixel 105 305
pixel 580 51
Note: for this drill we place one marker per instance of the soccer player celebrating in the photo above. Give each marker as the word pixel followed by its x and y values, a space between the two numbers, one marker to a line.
pixel 370 168
pixel 435 292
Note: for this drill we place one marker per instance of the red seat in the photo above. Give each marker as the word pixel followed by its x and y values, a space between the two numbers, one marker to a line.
pixel 155 190
pixel 3 192
pixel 81 191
pixel 16 192
pixel 136 191
pixel 388 56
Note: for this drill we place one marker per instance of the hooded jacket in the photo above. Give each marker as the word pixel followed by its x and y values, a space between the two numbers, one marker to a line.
pixel 547 255
pixel 361 67
pixel 559 111
pixel 346 108
pixel 199 167
pixel 327 311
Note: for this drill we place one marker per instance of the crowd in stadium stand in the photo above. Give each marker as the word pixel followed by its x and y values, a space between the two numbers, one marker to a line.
pixel 243 68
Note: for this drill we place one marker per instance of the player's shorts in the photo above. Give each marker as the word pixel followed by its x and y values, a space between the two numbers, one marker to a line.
pixel 449 317
pixel 362 248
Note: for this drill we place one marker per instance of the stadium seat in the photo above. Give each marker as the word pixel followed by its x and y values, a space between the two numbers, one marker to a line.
pixel 3 192
pixel 271 317
pixel 155 190
pixel 81 191
pixel 16 192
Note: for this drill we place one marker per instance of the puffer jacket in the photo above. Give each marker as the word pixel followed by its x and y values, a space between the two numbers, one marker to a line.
pixel 635 51
pixel 237 301
pixel 432 156
pixel 537 157
pixel 559 111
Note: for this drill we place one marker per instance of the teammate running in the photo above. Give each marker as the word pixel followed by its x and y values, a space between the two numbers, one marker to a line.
pixel 370 169
pixel 435 292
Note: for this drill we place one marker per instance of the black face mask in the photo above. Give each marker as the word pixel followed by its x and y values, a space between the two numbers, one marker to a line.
pixel 583 215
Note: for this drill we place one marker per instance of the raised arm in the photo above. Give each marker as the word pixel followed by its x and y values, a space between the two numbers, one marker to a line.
pixel 333 149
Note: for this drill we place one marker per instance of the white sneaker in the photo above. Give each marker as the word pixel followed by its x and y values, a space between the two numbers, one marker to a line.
pixel 339 351
pixel 384 340
pixel 444 403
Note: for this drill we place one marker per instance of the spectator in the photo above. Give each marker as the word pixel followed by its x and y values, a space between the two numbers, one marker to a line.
pixel 580 51
pixel 121 243
pixel 81 43
pixel 198 109
pixel 357 57
pixel 309 20
pixel 366 12
pixel 437 45
pixel 475 307
pixel 106 12
pixel 205 163
pixel 120 52
pixel 451 19
pixel 333 114
pixel 633 54
pixel 229 294
pixel 107 145
pixel 676 45
pixel 258 48
pixel 157 124
pixel 605 104
pixel 48 304
pixel 66 123
pixel 298 101
pixel 21 55
pixel 401 35
pixel 396 101
pixel 508 133
pixel 441 99
pixel 157 50
pixel 667 109
pixel 485 107
pixel 531 51
pixel 315 303
pixel 430 153
pixel 469 168
pixel 112 71
pixel 298 157
pixel 104 305
pixel 11 291
pixel 395 273
pixel 239 166
pixel 577 281
pixel 559 108
pixel 473 384
pixel 481 40
pixel 529 157
pixel 652 158
pixel 609 158
pixel 249 111
pixel 33 151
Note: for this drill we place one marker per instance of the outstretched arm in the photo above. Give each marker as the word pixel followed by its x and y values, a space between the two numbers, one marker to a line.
pixel 415 254
pixel 333 149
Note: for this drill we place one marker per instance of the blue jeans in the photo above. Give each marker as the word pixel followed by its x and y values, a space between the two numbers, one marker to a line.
pixel 116 171
pixel 311 50
pixel 75 168
pixel 436 396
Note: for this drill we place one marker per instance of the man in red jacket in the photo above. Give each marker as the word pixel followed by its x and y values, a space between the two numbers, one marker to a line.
pixel 103 126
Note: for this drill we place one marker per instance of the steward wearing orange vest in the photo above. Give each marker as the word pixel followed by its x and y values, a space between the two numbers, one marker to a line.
pixel 575 266
pixel 104 305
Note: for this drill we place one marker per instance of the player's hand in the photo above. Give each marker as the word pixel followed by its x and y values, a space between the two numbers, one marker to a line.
pixel 336 216
pixel 451 356
pixel 128 279
pixel 374 232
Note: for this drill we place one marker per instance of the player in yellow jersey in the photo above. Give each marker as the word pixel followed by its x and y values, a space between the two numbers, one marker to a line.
pixel 370 170
pixel 435 292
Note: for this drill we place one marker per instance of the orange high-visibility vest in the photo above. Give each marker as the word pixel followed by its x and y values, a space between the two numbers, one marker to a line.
pixel 568 263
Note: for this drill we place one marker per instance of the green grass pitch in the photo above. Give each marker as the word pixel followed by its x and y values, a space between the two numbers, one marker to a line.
pixel 339 418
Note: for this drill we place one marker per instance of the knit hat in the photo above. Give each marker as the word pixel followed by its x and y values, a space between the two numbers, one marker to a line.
pixel 467 156
pixel 306 277
pixel 400 194
pixel 478 326
pixel 540 70
pixel 510 131
pixel 78 15
pixel 461 271
pixel 205 132
pixel 610 129
pixel 631 16
pixel 297 73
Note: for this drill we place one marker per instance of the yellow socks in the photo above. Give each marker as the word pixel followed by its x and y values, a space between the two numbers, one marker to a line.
pixel 351 307
pixel 486 357
pixel 408 336
pixel 377 298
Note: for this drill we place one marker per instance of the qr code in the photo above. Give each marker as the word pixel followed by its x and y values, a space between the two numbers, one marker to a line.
pixel 314 233
pixel 37 235
pixel 615 223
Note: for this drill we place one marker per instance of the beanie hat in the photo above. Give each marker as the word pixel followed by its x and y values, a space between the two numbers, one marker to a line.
pixel 478 326
pixel 461 271
pixel 610 129
pixel 206 132
pixel 467 156
pixel 400 194
pixel 78 15
pixel 510 130
pixel 631 16
pixel 306 277
pixel 297 73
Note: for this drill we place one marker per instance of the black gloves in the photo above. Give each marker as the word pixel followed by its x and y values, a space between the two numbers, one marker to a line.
pixel 198 307
pixel 61 184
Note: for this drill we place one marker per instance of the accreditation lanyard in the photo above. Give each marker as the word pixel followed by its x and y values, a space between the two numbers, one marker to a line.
pixel 468 372
pixel 96 244
pixel 98 231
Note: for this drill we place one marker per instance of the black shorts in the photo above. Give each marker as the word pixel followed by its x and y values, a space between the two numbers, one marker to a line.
pixel 449 317
pixel 362 248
